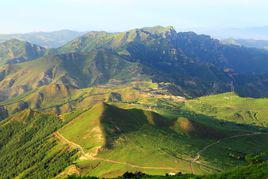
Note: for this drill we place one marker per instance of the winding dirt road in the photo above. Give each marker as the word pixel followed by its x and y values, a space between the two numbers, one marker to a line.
pixel 92 156
pixel 198 154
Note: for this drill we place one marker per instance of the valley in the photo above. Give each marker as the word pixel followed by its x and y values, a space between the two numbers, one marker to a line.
pixel 151 100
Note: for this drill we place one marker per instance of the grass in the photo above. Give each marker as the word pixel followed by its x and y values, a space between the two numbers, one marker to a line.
pixel 149 130
pixel 230 153
pixel 134 137
pixel 230 107
pixel 85 129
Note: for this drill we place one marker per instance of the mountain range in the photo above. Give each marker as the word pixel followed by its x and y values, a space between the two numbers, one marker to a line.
pixel 151 99
pixel 195 64
pixel 46 39
pixel 251 43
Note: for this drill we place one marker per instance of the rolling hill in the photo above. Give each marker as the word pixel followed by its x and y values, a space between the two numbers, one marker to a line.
pixel 73 70
pixel 153 136
pixel 142 100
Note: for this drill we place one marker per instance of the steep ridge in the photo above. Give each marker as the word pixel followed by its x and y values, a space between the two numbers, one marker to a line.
pixel 195 64
pixel 117 41
pixel 103 124
pixel 198 64
pixel 16 51
pixel 111 109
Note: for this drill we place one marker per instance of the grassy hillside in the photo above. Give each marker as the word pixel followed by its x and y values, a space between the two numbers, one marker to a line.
pixel 113 140
pixel 251 171
pixel 120 102
pixel 59 98
pixel 126 139
pixel 152 134
pixel 231 107
pixel 73 70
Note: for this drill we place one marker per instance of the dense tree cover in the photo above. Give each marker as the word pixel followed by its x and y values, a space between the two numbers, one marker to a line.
pixel 27 148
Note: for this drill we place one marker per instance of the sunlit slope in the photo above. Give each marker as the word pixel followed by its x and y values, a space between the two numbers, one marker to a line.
pixel 111 140
pixel 117 41
pixel 198 64
pixel 115 140
pixel 231 107
pixel 74 70
pixel 60 98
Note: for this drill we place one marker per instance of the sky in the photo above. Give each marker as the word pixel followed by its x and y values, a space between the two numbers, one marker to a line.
pixel 20 16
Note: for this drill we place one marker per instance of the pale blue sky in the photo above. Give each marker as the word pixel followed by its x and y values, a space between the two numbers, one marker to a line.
pixel 119 15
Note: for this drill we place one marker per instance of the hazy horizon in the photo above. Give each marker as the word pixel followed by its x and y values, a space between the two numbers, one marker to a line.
pixel 121 15
pixel 253 33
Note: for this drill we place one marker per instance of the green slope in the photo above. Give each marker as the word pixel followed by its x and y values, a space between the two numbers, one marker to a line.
pixel 251 171
pixel 231 107
pixel 28 148
pixel 118 139
pixel 110 106
pixel 60 98
pixel 15 51
pixel 197 64
pixel 113 140
pixel 117 41
pixel 73 70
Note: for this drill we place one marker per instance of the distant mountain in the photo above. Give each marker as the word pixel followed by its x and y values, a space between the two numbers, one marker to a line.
pixel 256 33
pixel 198 64
pixel 16 51
pixel 261 44
pixel 194 64
pixel 107 103
pixel 46 39
pixel 117 41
